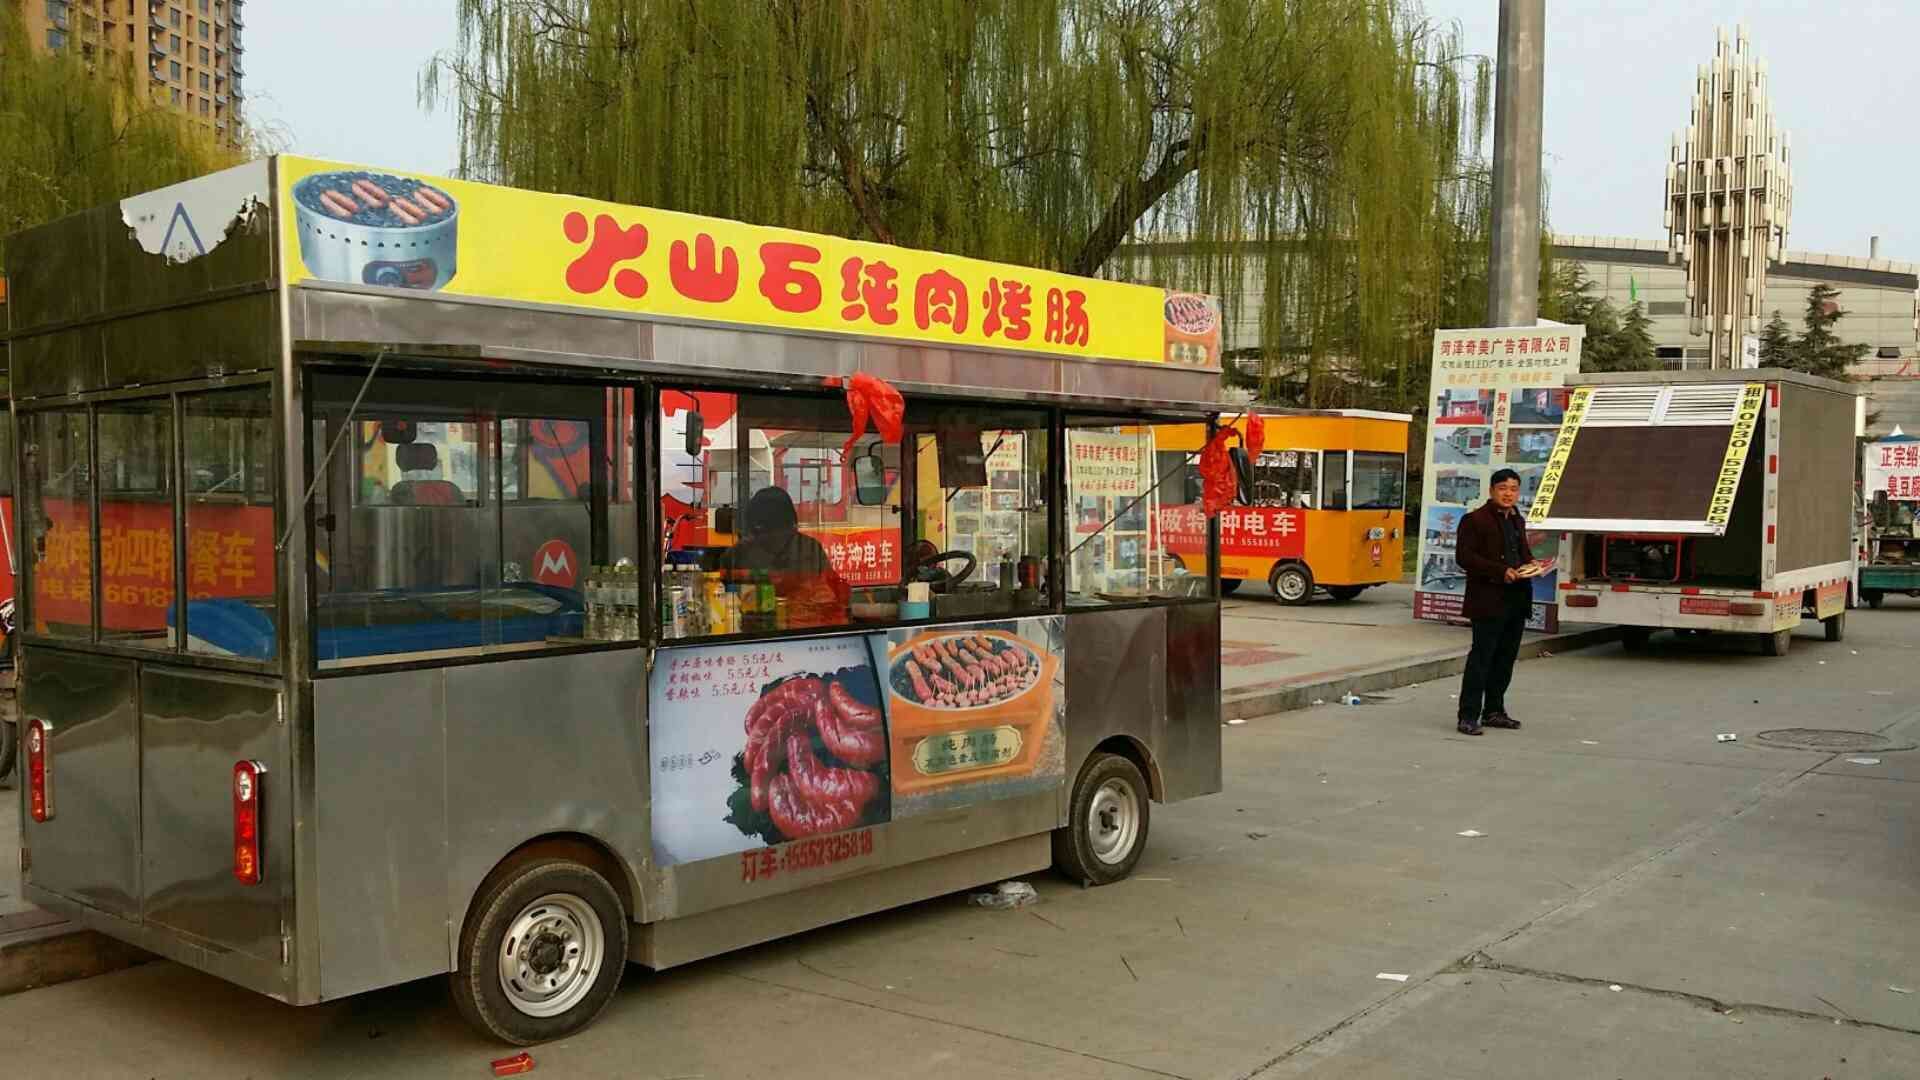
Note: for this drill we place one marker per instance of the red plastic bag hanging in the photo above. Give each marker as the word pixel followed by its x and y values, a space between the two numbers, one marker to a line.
pixel 1256 440
pixel 1219 485
pixel 870 397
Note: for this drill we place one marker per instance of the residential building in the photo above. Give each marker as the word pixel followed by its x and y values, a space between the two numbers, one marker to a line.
pixel 189 52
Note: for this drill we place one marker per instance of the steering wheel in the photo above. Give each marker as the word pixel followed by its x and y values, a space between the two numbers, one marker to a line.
pixel 928 569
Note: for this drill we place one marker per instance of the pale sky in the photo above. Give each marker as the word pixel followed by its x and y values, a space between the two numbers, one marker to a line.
pixel 1619 80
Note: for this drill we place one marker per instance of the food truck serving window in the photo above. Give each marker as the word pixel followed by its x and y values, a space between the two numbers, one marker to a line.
pixel 1134 537
pixel 425 551
pixel 769 520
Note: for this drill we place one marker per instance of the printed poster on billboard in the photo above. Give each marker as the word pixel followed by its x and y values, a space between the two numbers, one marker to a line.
pixel 758 746
pixel 1499 395
pixel 976 713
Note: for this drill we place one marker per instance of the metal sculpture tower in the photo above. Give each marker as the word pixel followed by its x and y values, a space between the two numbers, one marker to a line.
pixel 1729 198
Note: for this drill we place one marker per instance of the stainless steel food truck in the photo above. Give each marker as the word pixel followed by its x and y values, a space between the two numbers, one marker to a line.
pixel 427 577
pixel 1705 501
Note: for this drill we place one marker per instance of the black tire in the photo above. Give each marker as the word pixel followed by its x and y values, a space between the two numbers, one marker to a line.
pixel 1874 598
pixel 1292 584
pixel 9 749
pixel 1344 593
pixel 1776 643
pixel 1078 845
pixel 1836 627
pixel 508 897
pixel 1635 640
pixel 1230 585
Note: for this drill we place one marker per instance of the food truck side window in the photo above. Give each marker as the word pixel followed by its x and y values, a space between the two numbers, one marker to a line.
pixel 766 525
pixel 981 526
pixel 470 517
pixel 1379 481
pixel 136 522
pixel 231 569
pixel 58 521
pixel 1134 536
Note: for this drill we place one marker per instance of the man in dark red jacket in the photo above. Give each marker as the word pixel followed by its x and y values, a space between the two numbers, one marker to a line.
pixel 1491 546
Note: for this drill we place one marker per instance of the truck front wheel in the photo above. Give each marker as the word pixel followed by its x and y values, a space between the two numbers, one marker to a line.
pixel 1777 643
pixel 1106 829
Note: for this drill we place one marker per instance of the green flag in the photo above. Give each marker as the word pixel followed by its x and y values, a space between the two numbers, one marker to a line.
pixel 1633 290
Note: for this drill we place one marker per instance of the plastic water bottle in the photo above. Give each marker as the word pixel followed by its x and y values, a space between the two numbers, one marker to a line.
pixel 591 631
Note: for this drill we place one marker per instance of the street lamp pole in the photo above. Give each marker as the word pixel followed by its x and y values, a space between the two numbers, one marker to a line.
pixel 1513 276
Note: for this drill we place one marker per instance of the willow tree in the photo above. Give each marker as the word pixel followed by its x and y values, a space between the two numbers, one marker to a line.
pixel 76 135
pixel 1325 149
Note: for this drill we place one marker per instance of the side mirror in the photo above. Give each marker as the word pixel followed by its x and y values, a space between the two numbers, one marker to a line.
pixel 870 479
pixel 1242 473
pixel 696 433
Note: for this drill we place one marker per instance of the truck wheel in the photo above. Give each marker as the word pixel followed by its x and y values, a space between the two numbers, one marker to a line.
pixel 1106 829
pixel 1836 627
pixel 1776 643
pixel 542 951
pixel 1345 592
pixel 1635 640
pixel 1230 585
pixel 1292 584
pixel 1873 597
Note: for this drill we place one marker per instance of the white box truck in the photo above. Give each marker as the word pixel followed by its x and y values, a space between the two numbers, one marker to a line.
pixel 1705 501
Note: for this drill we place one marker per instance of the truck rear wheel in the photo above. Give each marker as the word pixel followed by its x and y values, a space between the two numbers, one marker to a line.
pixel 1106 829
pixel 1345 592
pixel 1776 643
pixel 542 951
pixel 1836 627
pixel 1292 584
pixel 1873 597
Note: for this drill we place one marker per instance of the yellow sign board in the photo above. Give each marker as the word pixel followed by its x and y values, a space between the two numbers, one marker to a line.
pixel 1556 468
pixel 362 226
pixel 1726 484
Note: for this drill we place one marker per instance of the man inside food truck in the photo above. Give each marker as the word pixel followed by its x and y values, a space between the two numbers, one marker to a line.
pixel 771 543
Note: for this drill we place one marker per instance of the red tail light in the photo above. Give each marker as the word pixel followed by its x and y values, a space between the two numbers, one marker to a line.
pixel 1749 609
pixel 248 779
pixel 39 772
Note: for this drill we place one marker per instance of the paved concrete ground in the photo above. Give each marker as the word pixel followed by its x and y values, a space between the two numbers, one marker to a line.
pixel 1275 657
pixel 1754 905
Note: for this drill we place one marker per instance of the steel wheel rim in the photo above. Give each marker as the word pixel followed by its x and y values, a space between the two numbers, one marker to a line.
pixel 1113 821
pixel 1290 585
pixel 551 955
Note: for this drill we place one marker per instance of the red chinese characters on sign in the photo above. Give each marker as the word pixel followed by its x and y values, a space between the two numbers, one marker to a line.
pixel 784 282
pixel 1900 456
pixel 698 274
pixel 765 864
pixel 229 554
pixel 612 245
pixel 862 557
pixel 1246 532
pixel 1007 308
pixel 1067 317
pixel 716 678
pixel 870 290
pixel 940 297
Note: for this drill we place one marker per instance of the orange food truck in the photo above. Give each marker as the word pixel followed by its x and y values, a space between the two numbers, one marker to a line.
pixel 1329 504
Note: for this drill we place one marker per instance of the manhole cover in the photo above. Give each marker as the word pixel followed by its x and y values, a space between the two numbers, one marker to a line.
pixel 1829 740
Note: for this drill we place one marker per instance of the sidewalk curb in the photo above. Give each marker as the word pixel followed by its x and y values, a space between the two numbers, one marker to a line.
pixel 39 948
pixel 1390 676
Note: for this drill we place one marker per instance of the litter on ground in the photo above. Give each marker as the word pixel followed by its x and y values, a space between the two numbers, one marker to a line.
pixel 1469 833
pixel 1863 761
pixel 1391 976
pixel 1007 894
pixel 1726 736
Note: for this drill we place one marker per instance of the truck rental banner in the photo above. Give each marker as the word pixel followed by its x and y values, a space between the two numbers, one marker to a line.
pixel 1498 397
pixel 364 226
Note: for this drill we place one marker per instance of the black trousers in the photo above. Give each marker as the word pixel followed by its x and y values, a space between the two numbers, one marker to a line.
pixel 1496 644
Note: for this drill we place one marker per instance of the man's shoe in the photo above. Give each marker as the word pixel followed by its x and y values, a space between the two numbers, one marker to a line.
pixel 1501 720
pixel 1470 727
